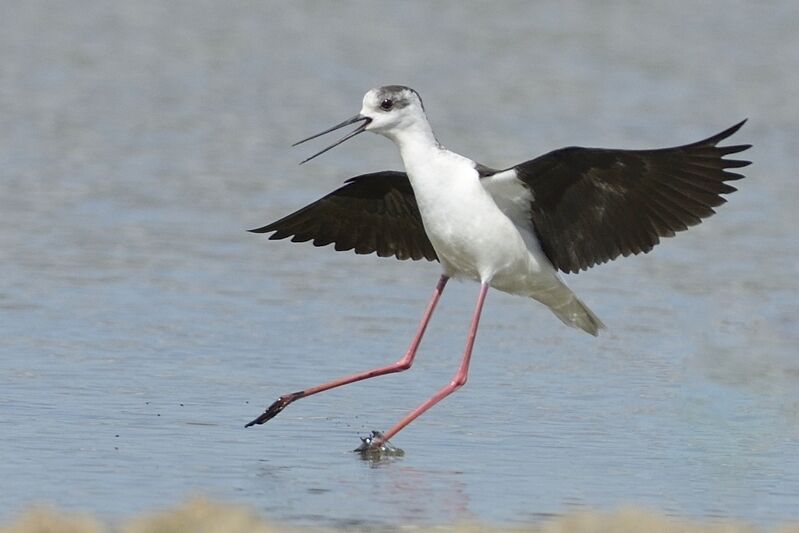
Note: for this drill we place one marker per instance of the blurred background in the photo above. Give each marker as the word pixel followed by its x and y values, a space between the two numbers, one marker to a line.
pixel 141 326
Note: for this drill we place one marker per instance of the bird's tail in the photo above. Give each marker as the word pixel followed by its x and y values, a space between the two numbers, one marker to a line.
pixel 569 309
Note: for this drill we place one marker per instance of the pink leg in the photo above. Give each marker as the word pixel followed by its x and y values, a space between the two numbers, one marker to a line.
pixel 403 364
pixel 457 381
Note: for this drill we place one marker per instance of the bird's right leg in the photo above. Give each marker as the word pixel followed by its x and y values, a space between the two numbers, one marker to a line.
pixel 402 364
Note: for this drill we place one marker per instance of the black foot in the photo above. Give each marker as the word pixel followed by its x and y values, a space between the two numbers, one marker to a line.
pixel 273 410
pixel 374 446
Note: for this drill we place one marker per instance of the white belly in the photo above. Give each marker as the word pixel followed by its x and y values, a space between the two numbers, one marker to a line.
pixel 472 237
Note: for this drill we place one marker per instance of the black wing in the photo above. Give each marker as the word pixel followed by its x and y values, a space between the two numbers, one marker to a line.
pixel 591 205
pixel 370 213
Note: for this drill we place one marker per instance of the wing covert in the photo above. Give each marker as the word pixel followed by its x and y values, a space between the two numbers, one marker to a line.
pixel 371 213
pixel 591 205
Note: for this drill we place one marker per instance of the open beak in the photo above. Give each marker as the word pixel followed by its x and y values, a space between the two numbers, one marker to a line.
pixel 353 120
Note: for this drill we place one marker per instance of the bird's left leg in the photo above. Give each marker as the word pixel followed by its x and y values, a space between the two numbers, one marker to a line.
pixel 458 380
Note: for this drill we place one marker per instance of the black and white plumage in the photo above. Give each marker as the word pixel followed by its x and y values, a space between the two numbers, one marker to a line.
pixel 591 204
pixel 512 229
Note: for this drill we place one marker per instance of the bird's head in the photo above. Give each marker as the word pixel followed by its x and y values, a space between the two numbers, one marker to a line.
pixel 392 108
pixel 386 110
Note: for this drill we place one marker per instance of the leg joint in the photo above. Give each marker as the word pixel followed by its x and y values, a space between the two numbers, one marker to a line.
pixel 458 381
pixel 402 365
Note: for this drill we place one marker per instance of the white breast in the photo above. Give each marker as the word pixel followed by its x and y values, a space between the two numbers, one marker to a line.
pixel 472 234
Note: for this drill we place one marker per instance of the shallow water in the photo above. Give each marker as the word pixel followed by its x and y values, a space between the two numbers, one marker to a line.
pixel 142 327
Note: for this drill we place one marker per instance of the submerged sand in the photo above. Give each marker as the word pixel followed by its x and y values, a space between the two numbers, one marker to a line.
pixel 203 516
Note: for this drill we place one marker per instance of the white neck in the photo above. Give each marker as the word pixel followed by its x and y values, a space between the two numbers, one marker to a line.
pixel 415 143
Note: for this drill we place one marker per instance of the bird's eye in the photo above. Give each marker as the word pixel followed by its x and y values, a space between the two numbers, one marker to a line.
pixel 386 104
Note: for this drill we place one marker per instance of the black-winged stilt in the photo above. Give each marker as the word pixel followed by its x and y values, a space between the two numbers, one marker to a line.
pixel 510 229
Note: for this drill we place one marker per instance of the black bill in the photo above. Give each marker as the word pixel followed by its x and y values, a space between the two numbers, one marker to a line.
pixel 353 120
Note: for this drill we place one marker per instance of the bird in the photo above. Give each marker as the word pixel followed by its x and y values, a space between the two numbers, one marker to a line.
pixel 515 230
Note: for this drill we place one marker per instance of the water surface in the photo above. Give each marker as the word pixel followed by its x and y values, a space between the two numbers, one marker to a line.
pixel 142 326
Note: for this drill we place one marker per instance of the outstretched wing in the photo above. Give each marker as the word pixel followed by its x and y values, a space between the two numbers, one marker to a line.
pixel 370 213
pixel 590 205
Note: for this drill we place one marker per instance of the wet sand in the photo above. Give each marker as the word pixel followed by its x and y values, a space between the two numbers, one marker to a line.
pixel 203 516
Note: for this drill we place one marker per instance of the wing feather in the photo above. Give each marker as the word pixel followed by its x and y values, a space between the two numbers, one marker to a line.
pixel 590 205
pixel 371 213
